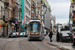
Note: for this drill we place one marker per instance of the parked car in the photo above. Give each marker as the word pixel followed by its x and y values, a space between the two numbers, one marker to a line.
pixel 26 34
pixel 13 34
pixel 22 34
pixel 73 41
pixel 18 34
pixel 44 32
pixel 66 37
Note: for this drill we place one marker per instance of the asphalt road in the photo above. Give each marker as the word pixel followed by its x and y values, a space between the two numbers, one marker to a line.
pixel 24 44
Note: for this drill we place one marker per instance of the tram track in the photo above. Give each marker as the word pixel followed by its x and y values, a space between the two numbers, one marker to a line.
pixel 19 45
pixel 3 47
pixel 34 46
pixel 23 44
pixel 41 45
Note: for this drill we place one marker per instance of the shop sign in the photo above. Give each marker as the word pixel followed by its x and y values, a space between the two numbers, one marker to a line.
pixel 13 24
pixel 12 27
pixel 16 22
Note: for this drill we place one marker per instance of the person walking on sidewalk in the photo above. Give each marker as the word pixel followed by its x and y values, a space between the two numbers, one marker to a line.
pixel 46 32
pixel 50 35
pixel 57 37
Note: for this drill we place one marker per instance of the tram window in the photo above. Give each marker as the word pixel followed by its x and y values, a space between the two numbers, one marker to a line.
pixel 34 27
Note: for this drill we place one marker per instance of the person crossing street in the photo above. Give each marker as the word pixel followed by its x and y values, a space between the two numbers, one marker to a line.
pixel 50 35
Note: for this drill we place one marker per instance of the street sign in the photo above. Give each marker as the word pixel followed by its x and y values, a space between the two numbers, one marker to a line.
pixel 16 22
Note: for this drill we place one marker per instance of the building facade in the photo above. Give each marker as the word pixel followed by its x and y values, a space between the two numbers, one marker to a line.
pixel 18 14
pixel 53 23
pixel 10 15
pixel 33 8
pixel 72 15
pixel 27 11
pixel 1 16
pixel 42 12
pixel 46 14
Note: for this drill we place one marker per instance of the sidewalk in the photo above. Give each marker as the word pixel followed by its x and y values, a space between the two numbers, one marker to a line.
pixel 61 45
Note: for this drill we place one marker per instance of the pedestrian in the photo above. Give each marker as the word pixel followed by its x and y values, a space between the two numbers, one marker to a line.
pixel 50 35
pixel 2 34
pixel 46 32
pixel 57 37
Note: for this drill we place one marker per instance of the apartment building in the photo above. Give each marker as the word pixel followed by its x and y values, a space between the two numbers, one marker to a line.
pixel 19 13
pixel 27 10
pixel 72 15
pixel 1 16
pixel 46 14
pixel 42 12
pixel 19 10
pixel 53 23
pixel 33 8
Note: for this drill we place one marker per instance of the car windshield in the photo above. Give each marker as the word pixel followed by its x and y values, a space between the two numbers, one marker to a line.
pixel 65 34
pixel 21 33
pixel 66 31
pixel 14 33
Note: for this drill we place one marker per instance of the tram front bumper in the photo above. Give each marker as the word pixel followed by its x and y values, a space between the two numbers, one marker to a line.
pixel 34 36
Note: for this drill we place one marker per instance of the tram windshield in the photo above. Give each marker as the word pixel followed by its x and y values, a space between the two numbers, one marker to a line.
pixel 35 27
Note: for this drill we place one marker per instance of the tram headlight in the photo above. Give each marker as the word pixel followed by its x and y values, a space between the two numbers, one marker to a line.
pixel 37 33
pixel 31 33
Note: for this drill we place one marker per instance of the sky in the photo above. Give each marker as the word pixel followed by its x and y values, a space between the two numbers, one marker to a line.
pixel 60 8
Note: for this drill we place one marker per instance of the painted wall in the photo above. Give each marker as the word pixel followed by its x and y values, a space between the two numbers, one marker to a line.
pixel 22 13
pixel 47 19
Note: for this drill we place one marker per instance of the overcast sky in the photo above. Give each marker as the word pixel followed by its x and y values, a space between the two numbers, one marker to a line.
pixel 60 8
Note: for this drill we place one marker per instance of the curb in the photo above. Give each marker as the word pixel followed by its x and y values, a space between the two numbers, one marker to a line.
pixel 60 47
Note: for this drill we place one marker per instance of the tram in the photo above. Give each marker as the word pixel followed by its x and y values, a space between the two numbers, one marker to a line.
pixel 35 30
